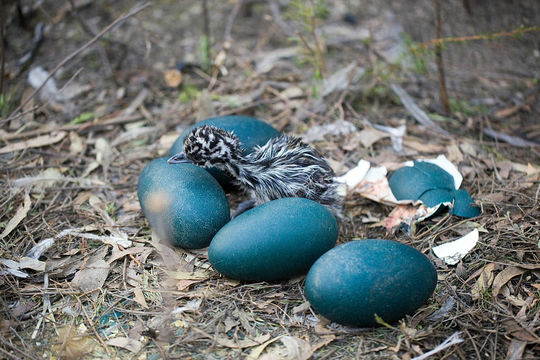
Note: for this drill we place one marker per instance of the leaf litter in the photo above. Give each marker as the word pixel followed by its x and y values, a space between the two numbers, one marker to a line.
pixel 84 276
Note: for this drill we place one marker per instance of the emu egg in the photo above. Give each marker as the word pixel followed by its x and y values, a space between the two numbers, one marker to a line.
pixel 183 203
pixel 277 240
pixel 250 131
pixel 356 280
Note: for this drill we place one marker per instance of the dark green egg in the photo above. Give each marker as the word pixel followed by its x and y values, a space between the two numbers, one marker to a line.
pixel 250 131
pixel 356 280
pixel 277 240
pixel 183 203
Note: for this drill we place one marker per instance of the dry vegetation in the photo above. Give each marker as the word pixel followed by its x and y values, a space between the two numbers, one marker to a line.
pixel 101 287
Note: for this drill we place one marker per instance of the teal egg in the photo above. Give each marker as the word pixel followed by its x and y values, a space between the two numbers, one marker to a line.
pixel 356 280
pixel 183 203
pixel 277 240
pixel 250 131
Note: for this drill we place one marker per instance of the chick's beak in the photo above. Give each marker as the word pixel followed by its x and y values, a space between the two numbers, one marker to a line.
pixel 178 159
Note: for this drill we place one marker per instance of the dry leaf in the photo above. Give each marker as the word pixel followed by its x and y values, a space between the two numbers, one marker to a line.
pixel 76 144
pixel 296 348
pixel 184 275
pixel 92 277
pixel 166 142
pixel 484 281
pixel 18 217
pixel 422 146
pixel 301 308
pixel 505 276
pixel 454 154
pixel 504 169
pixel 73 343
pixel 30 263
pixel 292 92
pixel 515 350
pixel 131 251
pixel 516 331
pixel 502 113
pixel 34 142
pixel 265 61
pixel 256 352
pixel 139 297
pixel 370 136
pixel 182 285
pixel 468 148
pixel 192 305
pixel 130 344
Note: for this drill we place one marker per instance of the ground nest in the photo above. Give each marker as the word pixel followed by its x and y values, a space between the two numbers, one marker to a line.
pixel 82 274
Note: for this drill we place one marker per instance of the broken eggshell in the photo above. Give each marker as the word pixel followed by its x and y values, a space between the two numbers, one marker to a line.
pixel 250 131
pixel 433 186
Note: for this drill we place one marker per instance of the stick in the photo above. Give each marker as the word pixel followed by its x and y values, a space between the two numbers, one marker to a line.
pixel 71 56
pixel 2 47
pixel 415 111
pixel 512 140
pixel 230 22
pixel 459 39
pixel 91 324
pixel 452 340
pixel 117 120
pixel 439 60
pixel 207 58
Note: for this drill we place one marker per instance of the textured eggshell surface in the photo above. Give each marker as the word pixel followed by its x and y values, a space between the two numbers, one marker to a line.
pixel 464 205
pixel 411 182
pixel 183 203
pixel 433 186
pixel 250 131
pixel 277 240
pixel 356 280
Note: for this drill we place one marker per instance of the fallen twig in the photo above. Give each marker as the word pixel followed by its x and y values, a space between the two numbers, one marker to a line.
pixel 37 39
pixel 230 22
pixel 452 340
pixel 83 127
pixel 415 111
pixel 439 60
pixel 512 140
pixel 459 39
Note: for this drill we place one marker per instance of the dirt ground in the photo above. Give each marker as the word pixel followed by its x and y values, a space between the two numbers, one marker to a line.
pixel 83 276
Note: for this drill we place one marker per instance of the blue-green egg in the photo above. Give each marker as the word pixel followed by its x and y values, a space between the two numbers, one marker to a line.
pixel 277 240
pixel 355 281
pixel 183 203
pixel 250 131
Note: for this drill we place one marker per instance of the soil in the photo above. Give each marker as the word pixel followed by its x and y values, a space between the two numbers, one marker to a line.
pixel 69 165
